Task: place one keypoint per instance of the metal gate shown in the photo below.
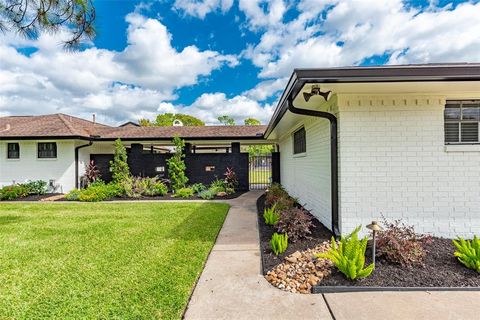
(260, 172)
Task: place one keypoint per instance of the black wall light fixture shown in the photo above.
(315, 91)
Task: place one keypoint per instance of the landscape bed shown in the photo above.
(441, 269)
(103, 260)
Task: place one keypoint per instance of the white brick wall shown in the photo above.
(29, 167)
(393, 161)
(307, 177)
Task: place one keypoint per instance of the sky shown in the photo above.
(210, 58)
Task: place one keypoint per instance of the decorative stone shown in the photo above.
(301, 270)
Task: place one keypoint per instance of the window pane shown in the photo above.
(299, 141)
(452, 112)
(47, 150)
(469, 132)
(13, 151)
(471, 113)
(451, 132)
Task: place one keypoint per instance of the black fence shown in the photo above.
(260, 172)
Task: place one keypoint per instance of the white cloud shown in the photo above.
(337, 33)
(209, 106)
(200, 8)
(266, 89)
(115, 84)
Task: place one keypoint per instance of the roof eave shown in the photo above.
(407, 73)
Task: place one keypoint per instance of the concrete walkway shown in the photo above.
(232, 287)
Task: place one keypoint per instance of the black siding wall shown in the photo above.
(145, 164)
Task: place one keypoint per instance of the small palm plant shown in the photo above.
(271, 216)
(349, 256)
(468, 252)
(279, 243)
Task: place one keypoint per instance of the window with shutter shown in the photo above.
(461, 120)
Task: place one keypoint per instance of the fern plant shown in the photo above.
(279, 243)
(468, 252)
(271, 216)
(349, 256)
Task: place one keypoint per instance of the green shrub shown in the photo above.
(36, 187)
(198, 187)
(176, 165)
(218, 186)
(279, 243)
(274, 193)
(349, 256)
(119, 165)
(153, 187)
(207, 194)
(13, 192)
(229, 190)
(271, 216)
(73, 195)
(183, 193)
(160, 188)
(468, 252)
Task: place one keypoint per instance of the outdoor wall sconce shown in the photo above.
(374, 226)
(210, 168)
(315, 91)
(159, 169)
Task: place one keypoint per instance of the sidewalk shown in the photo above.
(232, 287)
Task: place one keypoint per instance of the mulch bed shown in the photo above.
(168, 196)
(36, 197)
(269, 259)
(441, 268)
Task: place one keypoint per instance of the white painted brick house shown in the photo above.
(402, 152)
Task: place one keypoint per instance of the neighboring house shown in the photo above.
(402, 141)
(56, 148)
(355, 143)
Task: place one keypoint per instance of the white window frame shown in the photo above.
(461, 121)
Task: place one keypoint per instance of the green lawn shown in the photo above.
(103, 260)
(259, 176)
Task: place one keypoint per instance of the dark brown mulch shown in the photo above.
(269, 259)
(36, 197)
(168, 196)
(441, 268)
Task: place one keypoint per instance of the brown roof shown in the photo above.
(65, 126)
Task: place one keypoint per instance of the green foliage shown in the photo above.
(260, 150)
(279, 243)
(30, 18)
(36, 187)
(218, 186)
(349, 256)
(166, 120)
(271, 216)
(176, 166)
(207, 194)
(13, 192)
(73, 195)
(153, 187)
(198, 187)
(468, 252)
(252, 122)
(119, 166)
(99, 191)
(21, 190)
(183, 193)
(226, 120)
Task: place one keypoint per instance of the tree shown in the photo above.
(30, 17)
(226, 120)
(176, 166)
(166, 120)
(252, 122)
(119, 166)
